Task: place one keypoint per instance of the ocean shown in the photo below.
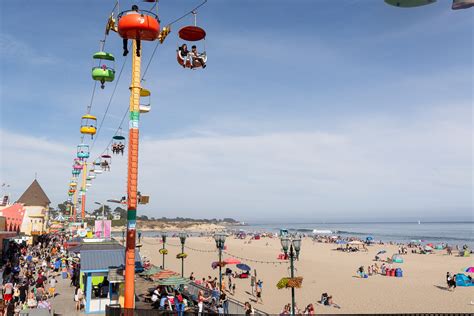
(452, 233)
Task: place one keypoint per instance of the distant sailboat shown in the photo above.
(419, 222)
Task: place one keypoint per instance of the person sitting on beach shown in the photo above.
(309, 310)
(286, 310)
(324, 298)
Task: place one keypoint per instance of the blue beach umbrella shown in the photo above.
(369, 238)
(243, 267)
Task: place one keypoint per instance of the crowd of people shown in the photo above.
(30, 274)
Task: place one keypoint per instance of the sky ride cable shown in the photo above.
(109, 103)
(188, 13)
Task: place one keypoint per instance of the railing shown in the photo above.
(235, 307)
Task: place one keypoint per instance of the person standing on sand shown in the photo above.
(259, 292)
(448, 280)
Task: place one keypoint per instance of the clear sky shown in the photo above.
(308, 110)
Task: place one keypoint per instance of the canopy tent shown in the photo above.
(463, 280)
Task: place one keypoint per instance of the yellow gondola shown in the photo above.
(145, 107)
(89, 125)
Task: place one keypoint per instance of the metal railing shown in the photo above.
(235, 307)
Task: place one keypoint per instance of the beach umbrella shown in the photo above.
(174, 281)
(468, 270)
(243, 267)
(151, 271)
(231, 261)
(369, 238)
(163, 274)
(381, 252)
(428, 248)
(430, 245)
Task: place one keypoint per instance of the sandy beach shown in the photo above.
(421, 289)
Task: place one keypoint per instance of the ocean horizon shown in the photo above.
(452, 233)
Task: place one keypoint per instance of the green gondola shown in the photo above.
(103, 73)
(409, 3)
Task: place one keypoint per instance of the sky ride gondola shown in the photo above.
(77, 165)
(118, 143)
(462, 4)
(409, 3)
(89, 125)
(104, 73)
(106, 161)
(192, 33)
(138, 25)
(145, 107)
(82, 151)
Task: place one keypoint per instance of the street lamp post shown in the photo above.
(294, 245)
(220, 240)
(163, 238)
(182, 238)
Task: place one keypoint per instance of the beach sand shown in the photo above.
(421, 289)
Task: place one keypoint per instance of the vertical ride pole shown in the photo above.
(72, 215)
(132, 179)
(83, 191)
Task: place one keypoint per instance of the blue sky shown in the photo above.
(314, 110)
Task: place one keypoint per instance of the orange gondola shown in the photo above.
(191, 33)
(139, 25)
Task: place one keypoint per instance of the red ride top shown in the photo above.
(140, 26)
(191, 33)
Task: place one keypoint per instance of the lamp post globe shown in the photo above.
(182, 238)
(285, 243)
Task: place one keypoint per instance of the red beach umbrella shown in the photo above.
(231, 261)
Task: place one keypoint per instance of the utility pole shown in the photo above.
(132, 179)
